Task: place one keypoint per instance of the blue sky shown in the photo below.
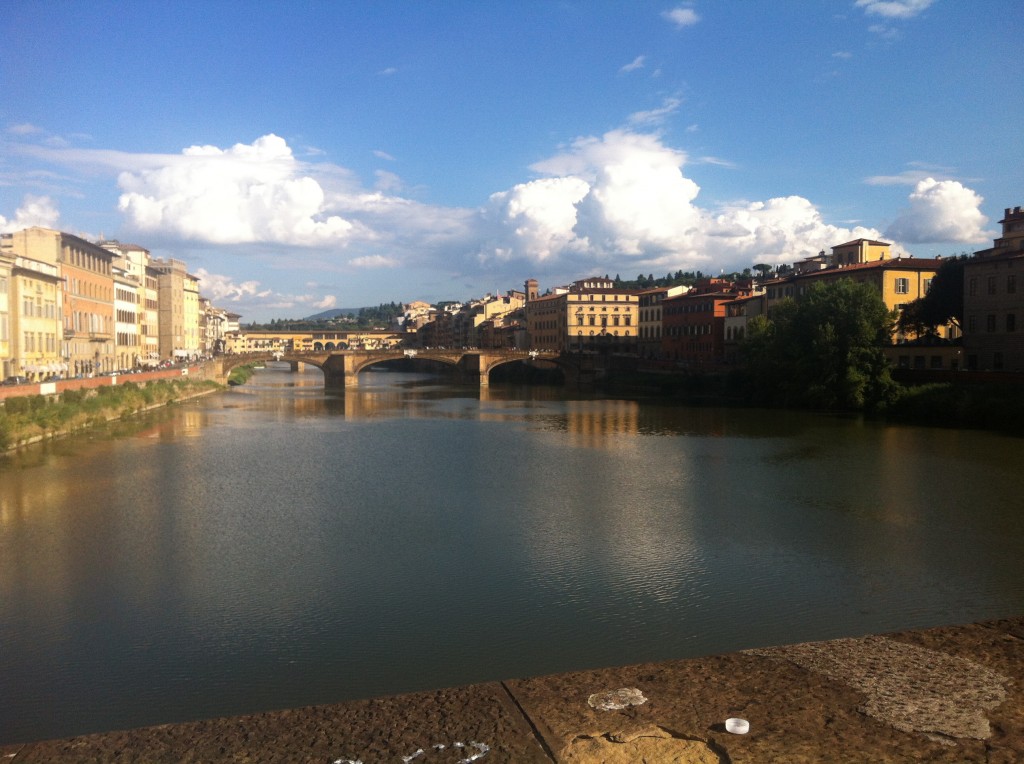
(307, 155)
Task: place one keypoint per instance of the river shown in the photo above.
(275, 546)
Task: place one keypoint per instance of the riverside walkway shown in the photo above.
(948, 694)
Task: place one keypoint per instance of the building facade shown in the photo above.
(994, 300)
(590, 315)
(693, 324)
(85, 294)
(649, 312)
(6, 264)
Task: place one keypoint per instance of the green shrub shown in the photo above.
(17, 404)
(73, 396)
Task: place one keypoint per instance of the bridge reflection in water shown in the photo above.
(341, 367)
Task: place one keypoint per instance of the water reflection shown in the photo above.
(280, 545)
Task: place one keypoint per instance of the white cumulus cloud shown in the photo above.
(247, 193)
(941, 211)
(222, 288)
(533, 221)
(624, 199)
(34, 210)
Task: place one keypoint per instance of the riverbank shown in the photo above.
(28, 419)
(947, 694)
(974, 401)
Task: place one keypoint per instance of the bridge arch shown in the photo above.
(341, 368)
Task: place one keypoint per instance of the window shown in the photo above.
(1011, 322)
(990, 323)
(927, 285)
(991, 284)
(1011, 284)
(972, 286)
(902, 286)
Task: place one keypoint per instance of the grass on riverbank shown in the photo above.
(240, 374)
(24, 418)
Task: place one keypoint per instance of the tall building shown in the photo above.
(131, 263)
(650, 318)
(178, 309)
(994, 300)
(31, 323)
(86, 293)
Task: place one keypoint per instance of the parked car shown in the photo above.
(15, 380)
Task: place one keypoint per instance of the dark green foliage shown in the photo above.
(989, 407)
(823, 351)
(17, 404)
(367, 318)
(943, 304)
(73, 396)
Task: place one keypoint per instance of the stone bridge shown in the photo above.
(341, 367)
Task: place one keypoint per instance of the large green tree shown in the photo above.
(942, 304)
(823, 350)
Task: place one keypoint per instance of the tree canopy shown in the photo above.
(824, 350)
(942, 304)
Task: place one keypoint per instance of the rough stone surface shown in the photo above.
(370, 731)
(952, 694)
(652, 744)
(912, 688)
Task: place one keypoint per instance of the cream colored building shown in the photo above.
(587, 316)
(33, 317)
(133, 261)
(649, 312)
(178, 309)
(85, 294)
(127, 341)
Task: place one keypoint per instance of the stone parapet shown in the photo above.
(948, 694)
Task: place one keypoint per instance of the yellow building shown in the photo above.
(587, 316)
(35, 325)
(898, 280)
(85, 296)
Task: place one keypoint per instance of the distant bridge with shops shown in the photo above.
(341, 368)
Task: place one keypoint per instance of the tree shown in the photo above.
(763, 270)
(823, 351)
(942, 304)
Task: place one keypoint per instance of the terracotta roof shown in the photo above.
(898, 264)
(858, 241)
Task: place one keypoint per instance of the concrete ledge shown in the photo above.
(949, 694)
